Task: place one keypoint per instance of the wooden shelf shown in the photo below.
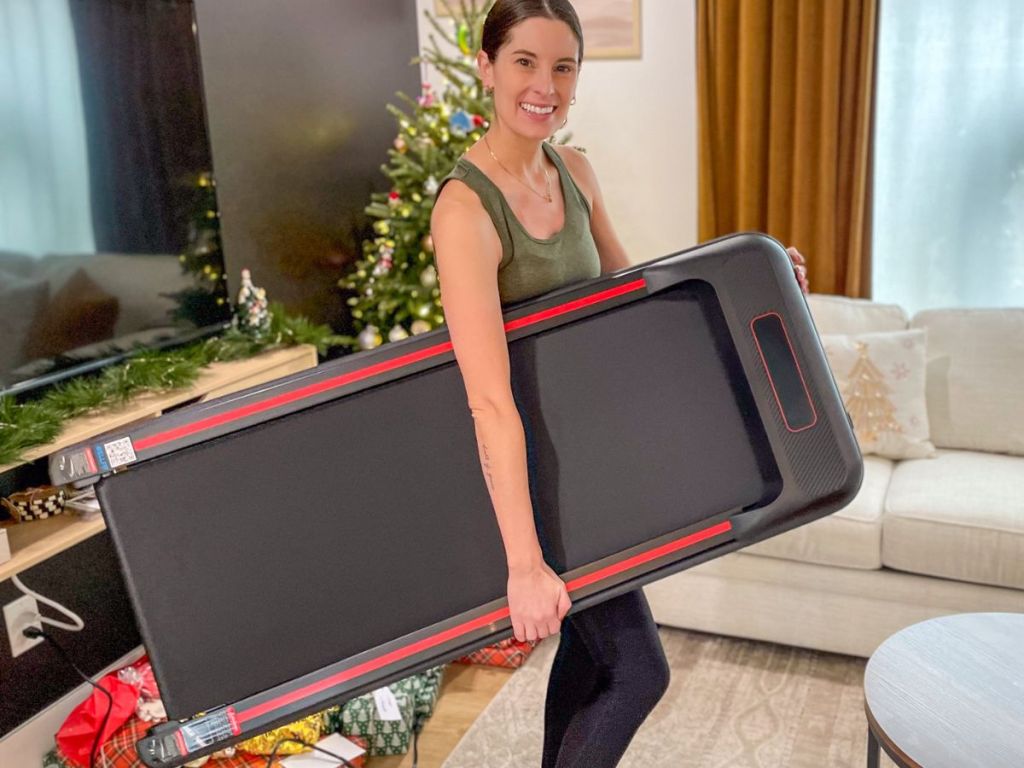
(33, 542)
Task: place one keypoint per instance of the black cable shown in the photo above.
(285, 739)
(34, 632)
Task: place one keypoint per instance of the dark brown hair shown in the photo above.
(505, 14)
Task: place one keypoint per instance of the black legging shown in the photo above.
(610, 669)
(608, 673)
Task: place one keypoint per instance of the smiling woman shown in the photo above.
(518, 217)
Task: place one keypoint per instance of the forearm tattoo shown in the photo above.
(487, 466)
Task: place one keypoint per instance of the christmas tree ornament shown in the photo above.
(397, 333)
(428, 277)
(369, 337)
(426, 98)
(428, 243)
(394, 198)
(430, 186)
(400, 144)
(252, 312)
(462, 37)
(419, 326)
(460, 123)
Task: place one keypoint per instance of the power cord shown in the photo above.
(34, 632)
(286, 739)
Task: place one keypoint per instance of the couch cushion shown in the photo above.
(959, 516)
(841, 314)
(975, 378)
(850, 538)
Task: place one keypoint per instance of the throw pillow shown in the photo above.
(881, 377)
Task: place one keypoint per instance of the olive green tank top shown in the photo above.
(529, 265)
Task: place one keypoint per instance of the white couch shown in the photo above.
(923, 538)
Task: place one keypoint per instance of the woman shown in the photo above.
(518, 217)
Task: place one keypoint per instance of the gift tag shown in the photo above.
(387, 704)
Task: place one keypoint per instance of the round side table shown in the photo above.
(949, 693)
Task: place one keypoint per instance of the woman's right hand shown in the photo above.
(537, 601)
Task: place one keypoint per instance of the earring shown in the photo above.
(572, 101)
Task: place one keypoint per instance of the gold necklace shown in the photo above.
(547, 178)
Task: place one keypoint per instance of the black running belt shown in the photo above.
(301, 542)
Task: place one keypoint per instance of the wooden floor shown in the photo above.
(465, 691)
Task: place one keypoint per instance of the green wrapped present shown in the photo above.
(415, 698)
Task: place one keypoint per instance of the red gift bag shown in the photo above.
(76, 736)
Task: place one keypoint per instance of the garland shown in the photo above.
(37, 422)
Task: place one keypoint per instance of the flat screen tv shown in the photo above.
(109, 232)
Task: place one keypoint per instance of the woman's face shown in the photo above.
(534, 76)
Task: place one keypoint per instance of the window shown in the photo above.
(948, 218)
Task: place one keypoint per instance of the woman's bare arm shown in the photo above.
(467, 252)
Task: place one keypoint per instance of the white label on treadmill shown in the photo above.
(120, 452)
(387, 704)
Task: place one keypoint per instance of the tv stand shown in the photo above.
(31, 543)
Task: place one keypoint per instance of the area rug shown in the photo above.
(730, 704)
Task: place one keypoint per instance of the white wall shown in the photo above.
(637, 119)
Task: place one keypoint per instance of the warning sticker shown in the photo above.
(119, 452)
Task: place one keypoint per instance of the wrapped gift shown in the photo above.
(119, 752)
(307, 730)
(414, 698)
(509, 654)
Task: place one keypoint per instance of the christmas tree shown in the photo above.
(866, 398)
(395, 281)
(205, 302)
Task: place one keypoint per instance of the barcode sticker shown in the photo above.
(387, 704)
(119, 452)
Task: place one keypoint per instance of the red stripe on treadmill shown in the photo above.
(569, 306)
(651, 554)
(482, 621)
(372, 664)
(289, 397)
(227, 417)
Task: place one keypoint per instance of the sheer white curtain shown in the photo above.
(948, 219)
(44, 172)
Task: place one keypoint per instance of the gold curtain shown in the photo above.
(785, 94)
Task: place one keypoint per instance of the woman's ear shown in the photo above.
(485, 68)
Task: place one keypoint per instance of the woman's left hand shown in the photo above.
(799, 267)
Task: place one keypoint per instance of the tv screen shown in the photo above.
(109, 232)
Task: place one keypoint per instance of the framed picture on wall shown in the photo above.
(611, 28)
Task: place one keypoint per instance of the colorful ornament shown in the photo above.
(394, 198)
(427, 98)
(400, 145)
(428, 243)
(462, 37)
(369, 337)
(428, 277)
(397, 333)
(460, 123)
(419, 326)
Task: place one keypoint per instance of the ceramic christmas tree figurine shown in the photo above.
(252, 313)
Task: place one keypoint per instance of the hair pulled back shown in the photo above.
(505, 14)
